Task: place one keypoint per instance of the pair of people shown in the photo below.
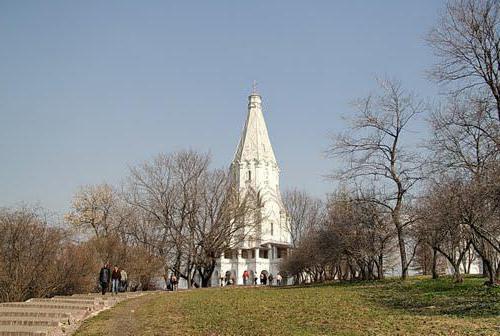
(117, 278)
(268, 279)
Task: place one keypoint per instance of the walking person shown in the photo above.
(262, 279)
(169, 285)
(245, 278)
(104, 277)
(123, 281)
(279, 278)
(255, 279)
(115, 278)
(270, 278)
(233, 280)
(173, 281)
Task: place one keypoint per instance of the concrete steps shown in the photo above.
(56, 316)
(69, 301)
(33, 312)
(24, 330)
(30, 321)
(48, 305)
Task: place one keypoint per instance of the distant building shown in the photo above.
(256, 171)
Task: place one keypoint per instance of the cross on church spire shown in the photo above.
(254, 88)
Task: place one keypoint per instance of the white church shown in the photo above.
(256, 170)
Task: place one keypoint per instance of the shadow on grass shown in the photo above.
(425, 296)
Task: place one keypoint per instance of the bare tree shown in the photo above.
(92, 208)
(163, 192)
(443, 227)
(480, 211)
(187, 213)
(464, 138)
(29, 250)
(375, 152)
(365, 229)
(465, 143)
(98, 210)
(467, 42)
(304, 213)
(224, 221)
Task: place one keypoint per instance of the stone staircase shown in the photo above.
(56, 316)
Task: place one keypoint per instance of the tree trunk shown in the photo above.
(205, 282)
(206, 273)
(497, 97)
(371, 275)
(485, 271)
(380, 266)
(435, 274)
(339, 272)
(402, 251)
(457, 277)
(492, 276)
(469, 260)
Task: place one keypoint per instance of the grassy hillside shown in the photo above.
(416, 307)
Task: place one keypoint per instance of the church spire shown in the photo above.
(254, 143)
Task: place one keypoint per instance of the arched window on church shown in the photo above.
(249, 176)
(272, 228)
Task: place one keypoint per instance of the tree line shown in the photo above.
(434, 207)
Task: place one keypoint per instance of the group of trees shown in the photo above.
(199, 212)
(426, 205)
(347, 238)
(39, 259)
(175, 209)
(180, 213)
(171, 215)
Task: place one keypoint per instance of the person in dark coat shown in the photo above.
(104, 278)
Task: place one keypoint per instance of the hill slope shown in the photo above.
(416, 307)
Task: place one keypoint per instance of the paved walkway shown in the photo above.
(57, 316)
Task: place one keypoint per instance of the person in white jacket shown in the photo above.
(123, 280)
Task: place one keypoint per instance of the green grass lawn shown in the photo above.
(416, 307)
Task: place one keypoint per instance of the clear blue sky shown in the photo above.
(90, 87)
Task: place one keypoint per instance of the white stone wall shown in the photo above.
(240, 265)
